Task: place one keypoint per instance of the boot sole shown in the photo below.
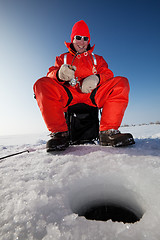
(119, 144)
(57, 148)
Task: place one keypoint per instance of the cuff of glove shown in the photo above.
(57, 75)
(99, 78)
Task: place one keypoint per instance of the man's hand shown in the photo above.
(89, 83)
(66, 72)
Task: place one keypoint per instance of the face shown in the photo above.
(80, 45)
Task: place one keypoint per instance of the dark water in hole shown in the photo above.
(106, 212)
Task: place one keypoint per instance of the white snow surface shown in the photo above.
(41, 193)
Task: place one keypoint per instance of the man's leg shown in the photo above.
(51, 98)
(112, 97)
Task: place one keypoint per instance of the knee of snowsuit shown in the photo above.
(53, 100)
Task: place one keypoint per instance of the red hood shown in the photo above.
(72, 52)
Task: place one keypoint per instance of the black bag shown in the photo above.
(83, 123)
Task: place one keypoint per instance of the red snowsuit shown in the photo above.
(54, 96)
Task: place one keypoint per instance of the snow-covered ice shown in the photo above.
(41, 193)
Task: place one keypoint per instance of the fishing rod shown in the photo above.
(13, 154)
(17, 153)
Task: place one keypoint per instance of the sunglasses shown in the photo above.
(77, 37)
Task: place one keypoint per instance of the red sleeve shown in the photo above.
(102, 69)
(52, 72)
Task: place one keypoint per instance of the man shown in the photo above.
(79, 76)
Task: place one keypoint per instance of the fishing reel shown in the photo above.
(73, 82)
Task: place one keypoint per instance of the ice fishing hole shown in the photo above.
(106, 199)
(110, 211)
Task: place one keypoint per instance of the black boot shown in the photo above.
(59, 141)
(115, 138)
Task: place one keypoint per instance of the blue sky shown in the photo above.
(126, 33)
